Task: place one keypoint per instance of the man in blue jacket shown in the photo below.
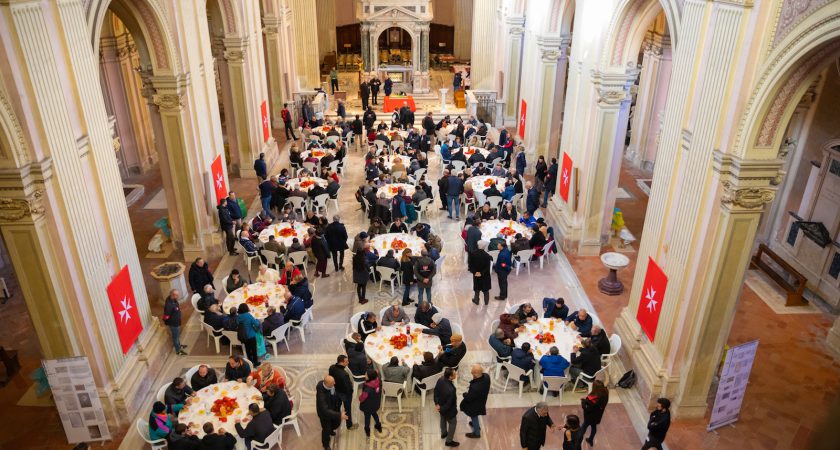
(502, 267)
(260, 167)
(295, 308)
(454, 188)
(523, 358)
(172, 319)
(553, 365)
(233, 207)
(532, 201)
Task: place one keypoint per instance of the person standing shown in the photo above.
(172, 319)
(340, 109)
(260, 167)
(226, 224)
(502, 267)
(533, 425)
(429, 127)
(344, 387)
(247, 327)
(333, 80)
(474, 402)
(445, 404)
(321, 252)
(454, 189)
(550, 182)
(358, 132)
(336, 235)
(478, 263)
(200, 275)
(361, 272)
(572, 433)
(364, 93)
(660, 421)
(371, 399)
(287, 122)
(424, 273)
(374, 89)
(593, 406)
(532, 199)
(389, 85)
(328, 406)
(266, 188)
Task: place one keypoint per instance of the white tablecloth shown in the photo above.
(564, 337)
(468, 151)
(316, 153)
(384, 242)
(490, 228)
(275, 293)
(390, 190)
(389, 161)
(282, 232)
(479, 184)
(378, 345)
(305, 183)
(197, 413)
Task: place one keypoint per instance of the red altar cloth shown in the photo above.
(391, 103)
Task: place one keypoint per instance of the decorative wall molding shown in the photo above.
(747, 198)
(9, 121)
(614, 88)
(169, 102)
(747, 184)
(14, 209)
(792, 13)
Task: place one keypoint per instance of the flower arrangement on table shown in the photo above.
(399, 341)
(507, 231)
(399, 245)
(393, 190)
(256, 300)
(224, 407)
(319, 153)
(545, 338)
(326, 128)
(306, 183)
(287, 232)
(489, 182)
(469, 151)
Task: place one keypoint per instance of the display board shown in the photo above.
(76, 399)
(733, 384)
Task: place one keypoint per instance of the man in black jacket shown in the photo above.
(344, 387)
(182, 438)
(446, 403)
(443, 186)
(220, 440)
(328, 406)
(369, 118)
(374, 89)
(172, 319)
(660, 421)
(259, 426)
(358, 132)
(600, 340)
(277, 403)
(336, 235)
(532, 427)
(475, 399)
(202, 378)
(587, 361)
(200, 275)
(226, 225)
(452, 354)
(364, 93)
(236, 369)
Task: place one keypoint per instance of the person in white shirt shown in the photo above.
(267, 276)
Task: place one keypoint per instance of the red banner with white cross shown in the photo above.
(653, 294)
(124, 306)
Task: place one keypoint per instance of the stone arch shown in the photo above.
(143, 18)
(381, 27)
(14, 151)
(228, 15)
(790, 68)
(628, 26)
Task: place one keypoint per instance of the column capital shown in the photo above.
(365, 27)
(747, 185)
(614, 88)
(22, 190)
(516, 25)
(271, 25)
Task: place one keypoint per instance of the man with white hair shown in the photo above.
(533, 425)
(266, 275)
(208, 298)
(441, 328)
(475, 399)
(395, 314)
(600, 340)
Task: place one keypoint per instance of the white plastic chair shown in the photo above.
(248, 257)
(300, 259)
(161, 393)
(518, 201)
(523, 258)
(380, 145)
(499, 360)
(335, 200)
(297, 204)
(234, 341)
(387, 275)
(273, 439)
(224, 284)
(459, 165)
(334, 139)
(310, 166)
(211, 332)
(456, 328)
(143, 431)
(280, 334)
(292, 419)
(194, 301)
(192, 370)
(493, 254)
(429, 382)
(396, 390)
(615, 346)
(495, 201)
(587, 380)
(557, 384)
(334, 166)
(548, 250)
(305, 319)
(515, 373)
(423, 207)
(320, 202)
(271, 259)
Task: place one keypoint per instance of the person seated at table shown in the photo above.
(332, 187)
(300, 288)
(520, 243)
(234, 281)
(295, 247)
(264, 275)
(202, 378)
(584, 359)
(553, 365)
(395, 372)
(160, 425)
(555, 308)
(398, 226)
(398, 166)
(508, 212)
(538, 241)
(273, 320)
(487, 213)
(215, 319)
(527, 220)
(207, 299)
(498, 169)
(388, 261)
(259, 428)
(509, 323)
(231, 322)
(314, 220)
(316, 190)
(492, 191)
(475, 158)
(394, 315)
(290, 271)
(246, 242)
(266, 375)
(441, 328)
(526, 313)
(376, 227)
(182, 438)
(494, 242)
(294, 309)
(502, 345)
(356, 355)
(176, 395)
(297, 191)
(236, 369)
(600, 340)
(428, 367)
(325, 163)
(452, 354)
(277, 403)
(382, 136)
(273, 245)
(367, 325)
(523, 358)
(294, 155)
(288, 214)
(218, 440)
(581, 321)
(422, 230)
(425, 312)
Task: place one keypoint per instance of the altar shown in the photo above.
(402, 76)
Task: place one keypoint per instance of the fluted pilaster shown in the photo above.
(304, 19)
(325, 12)
(650, 101)
(463, 29)
(483, 45)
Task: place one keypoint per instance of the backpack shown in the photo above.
(627, 380)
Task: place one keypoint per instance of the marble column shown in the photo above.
(463, 29)
(516, 29)
(325, 11)
(366, 50)
(113, 52)
(274, 64)
(482, 70)
(650, 101)
(304, 18)
(553, 50)
(246, 125)
(421, 74)
(599, 184)
(139, 110)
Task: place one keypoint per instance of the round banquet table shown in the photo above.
(490, 228)
(316, 153)
(274, 292)
(468, 151)
(305, 183)
(479, 184)
(378, 345)
(389, 161)
(390, 190)
(284, 232)
(197, 412)
(564, 337)
(323, 129)
(384, 242)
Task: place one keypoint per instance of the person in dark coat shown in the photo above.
(260, 167)
(220, 440)
(226, 225)
(370, 400)
(600, 340)
(202, 378)
(446, 403)
(427, 368)
(259, 428)
(364, 93)
(533, 425)
(182, 438)
(585, 359)
(479, 263)
(358, 360)
(172, 319)
(328, 406)
(532, 199)
(321, 252)
(336, 235)
(369, 117)
(361, 273)
(593, 406)
(425, 312)
(344, 386)
(200, 275)
(475, 399)
(555, 308)
(550, 182)
(374, 89)
(389, 86)
(443, 186)
(503, 266)
(660, 421)
(441, 328)
(236, 369)
(277, 403)
(473, 235)
(452, 354)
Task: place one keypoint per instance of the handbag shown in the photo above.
(260, 345)
(627, 380)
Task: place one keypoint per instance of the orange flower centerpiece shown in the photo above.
(399, 341)
(326, 128)
(489, 182)
(224, 407)
(256, 300)
(469, 151)
(507, 231)
(319, 153)
(286, 232)
(393, 190)
(546, 338)
(306, 183)
(399, 245)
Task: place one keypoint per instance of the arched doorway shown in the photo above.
(395, 46)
